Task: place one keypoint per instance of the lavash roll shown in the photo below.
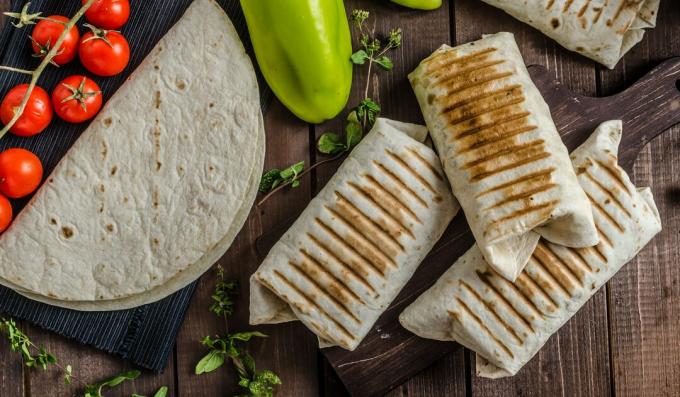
(603, 30)
(500, 149)
(507, 323)
(359, 241)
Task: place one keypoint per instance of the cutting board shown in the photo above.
(389, 355)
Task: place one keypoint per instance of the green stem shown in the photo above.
(16, 70)
(35, 75)
(300, 175)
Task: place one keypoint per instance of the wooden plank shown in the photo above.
(644, 308)
(90, 366)
(423, 32)
(290, 351)
(575, 361)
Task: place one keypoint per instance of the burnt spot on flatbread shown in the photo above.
(67, 232)
(157, 100)
(555, 23)
(107, 122)
(114, 169)
(181, 85)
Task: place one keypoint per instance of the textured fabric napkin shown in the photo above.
(145, 335)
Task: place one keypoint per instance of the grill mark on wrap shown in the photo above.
(527, 210)
(495, 139)
(309, 301)
(349, 246)
(383, 260)
(325, 290)
(489, 307)
(610, 194)
(407, 167)
(521, 196)
(476, 177)
(613, 172)
(363, 279)
(598, 12)
(494, 125)
(453, 73)
(475, 318)
(546, 279)
(549, 4)
(515, 89)
(340, 282)
(544, 177)
(583, 9)
(603, 236)
(486, 277)
(373, 196)
(530, 288)
(472, 115)
(435, 63)
(567, 5)
(515, 150)
(606, 215)
(394, 178)
(344, 205)
(568, 273)
(425, 162)
(581, 259)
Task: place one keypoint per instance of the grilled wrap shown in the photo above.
(507, 323)
(359, 241)
(501, 151)
(602, 30)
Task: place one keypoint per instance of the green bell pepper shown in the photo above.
(303, 48)
(420, 4)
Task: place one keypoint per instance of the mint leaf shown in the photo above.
(329, 143)
(353, 130)
(385, 62)
(210, 362)
(359, 57)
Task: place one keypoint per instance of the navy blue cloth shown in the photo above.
(145, 335)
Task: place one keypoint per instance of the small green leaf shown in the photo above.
(295, 183)
(292, 171)
(269, 179)
(385, 62)
(353, 130)
(210, 362)
(96, 389)
(359, 57)
(162, 392)
(246, 336)
(329, 143)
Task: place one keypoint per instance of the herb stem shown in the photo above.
(303, 173)
(16, 70)
(35, 75)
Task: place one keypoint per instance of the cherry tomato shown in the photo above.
(5, 213)
(46, 33)
(20, 172)
(36, 116)
(104, 52)
(108, 14)
(76, 99)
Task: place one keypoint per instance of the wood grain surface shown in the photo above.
(624, 342)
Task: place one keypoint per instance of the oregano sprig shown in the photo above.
(220, 349)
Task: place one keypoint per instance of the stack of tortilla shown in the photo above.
(156, 189)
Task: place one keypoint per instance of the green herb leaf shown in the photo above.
(385, 62)
(329, 143)
(223, 298)
(210, 362)
(395, 38)
(268, 180)
(353, 130)
(368, 110)
(359, 57)
(246, 336)
(162, 392)
(96, 389)
(292, 171)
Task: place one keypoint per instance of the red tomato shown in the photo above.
(20, 172)
(46, 33)
(104, 52)
(5, 213)
(108, 14)
(76, 99)
(36, 116)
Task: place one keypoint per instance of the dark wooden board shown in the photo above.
(390, 355)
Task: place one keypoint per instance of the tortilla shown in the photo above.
(154, 191)
(501, 151)
(359, 241)
(602, 30)
(506, 323)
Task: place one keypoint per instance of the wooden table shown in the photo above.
(624, 342)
